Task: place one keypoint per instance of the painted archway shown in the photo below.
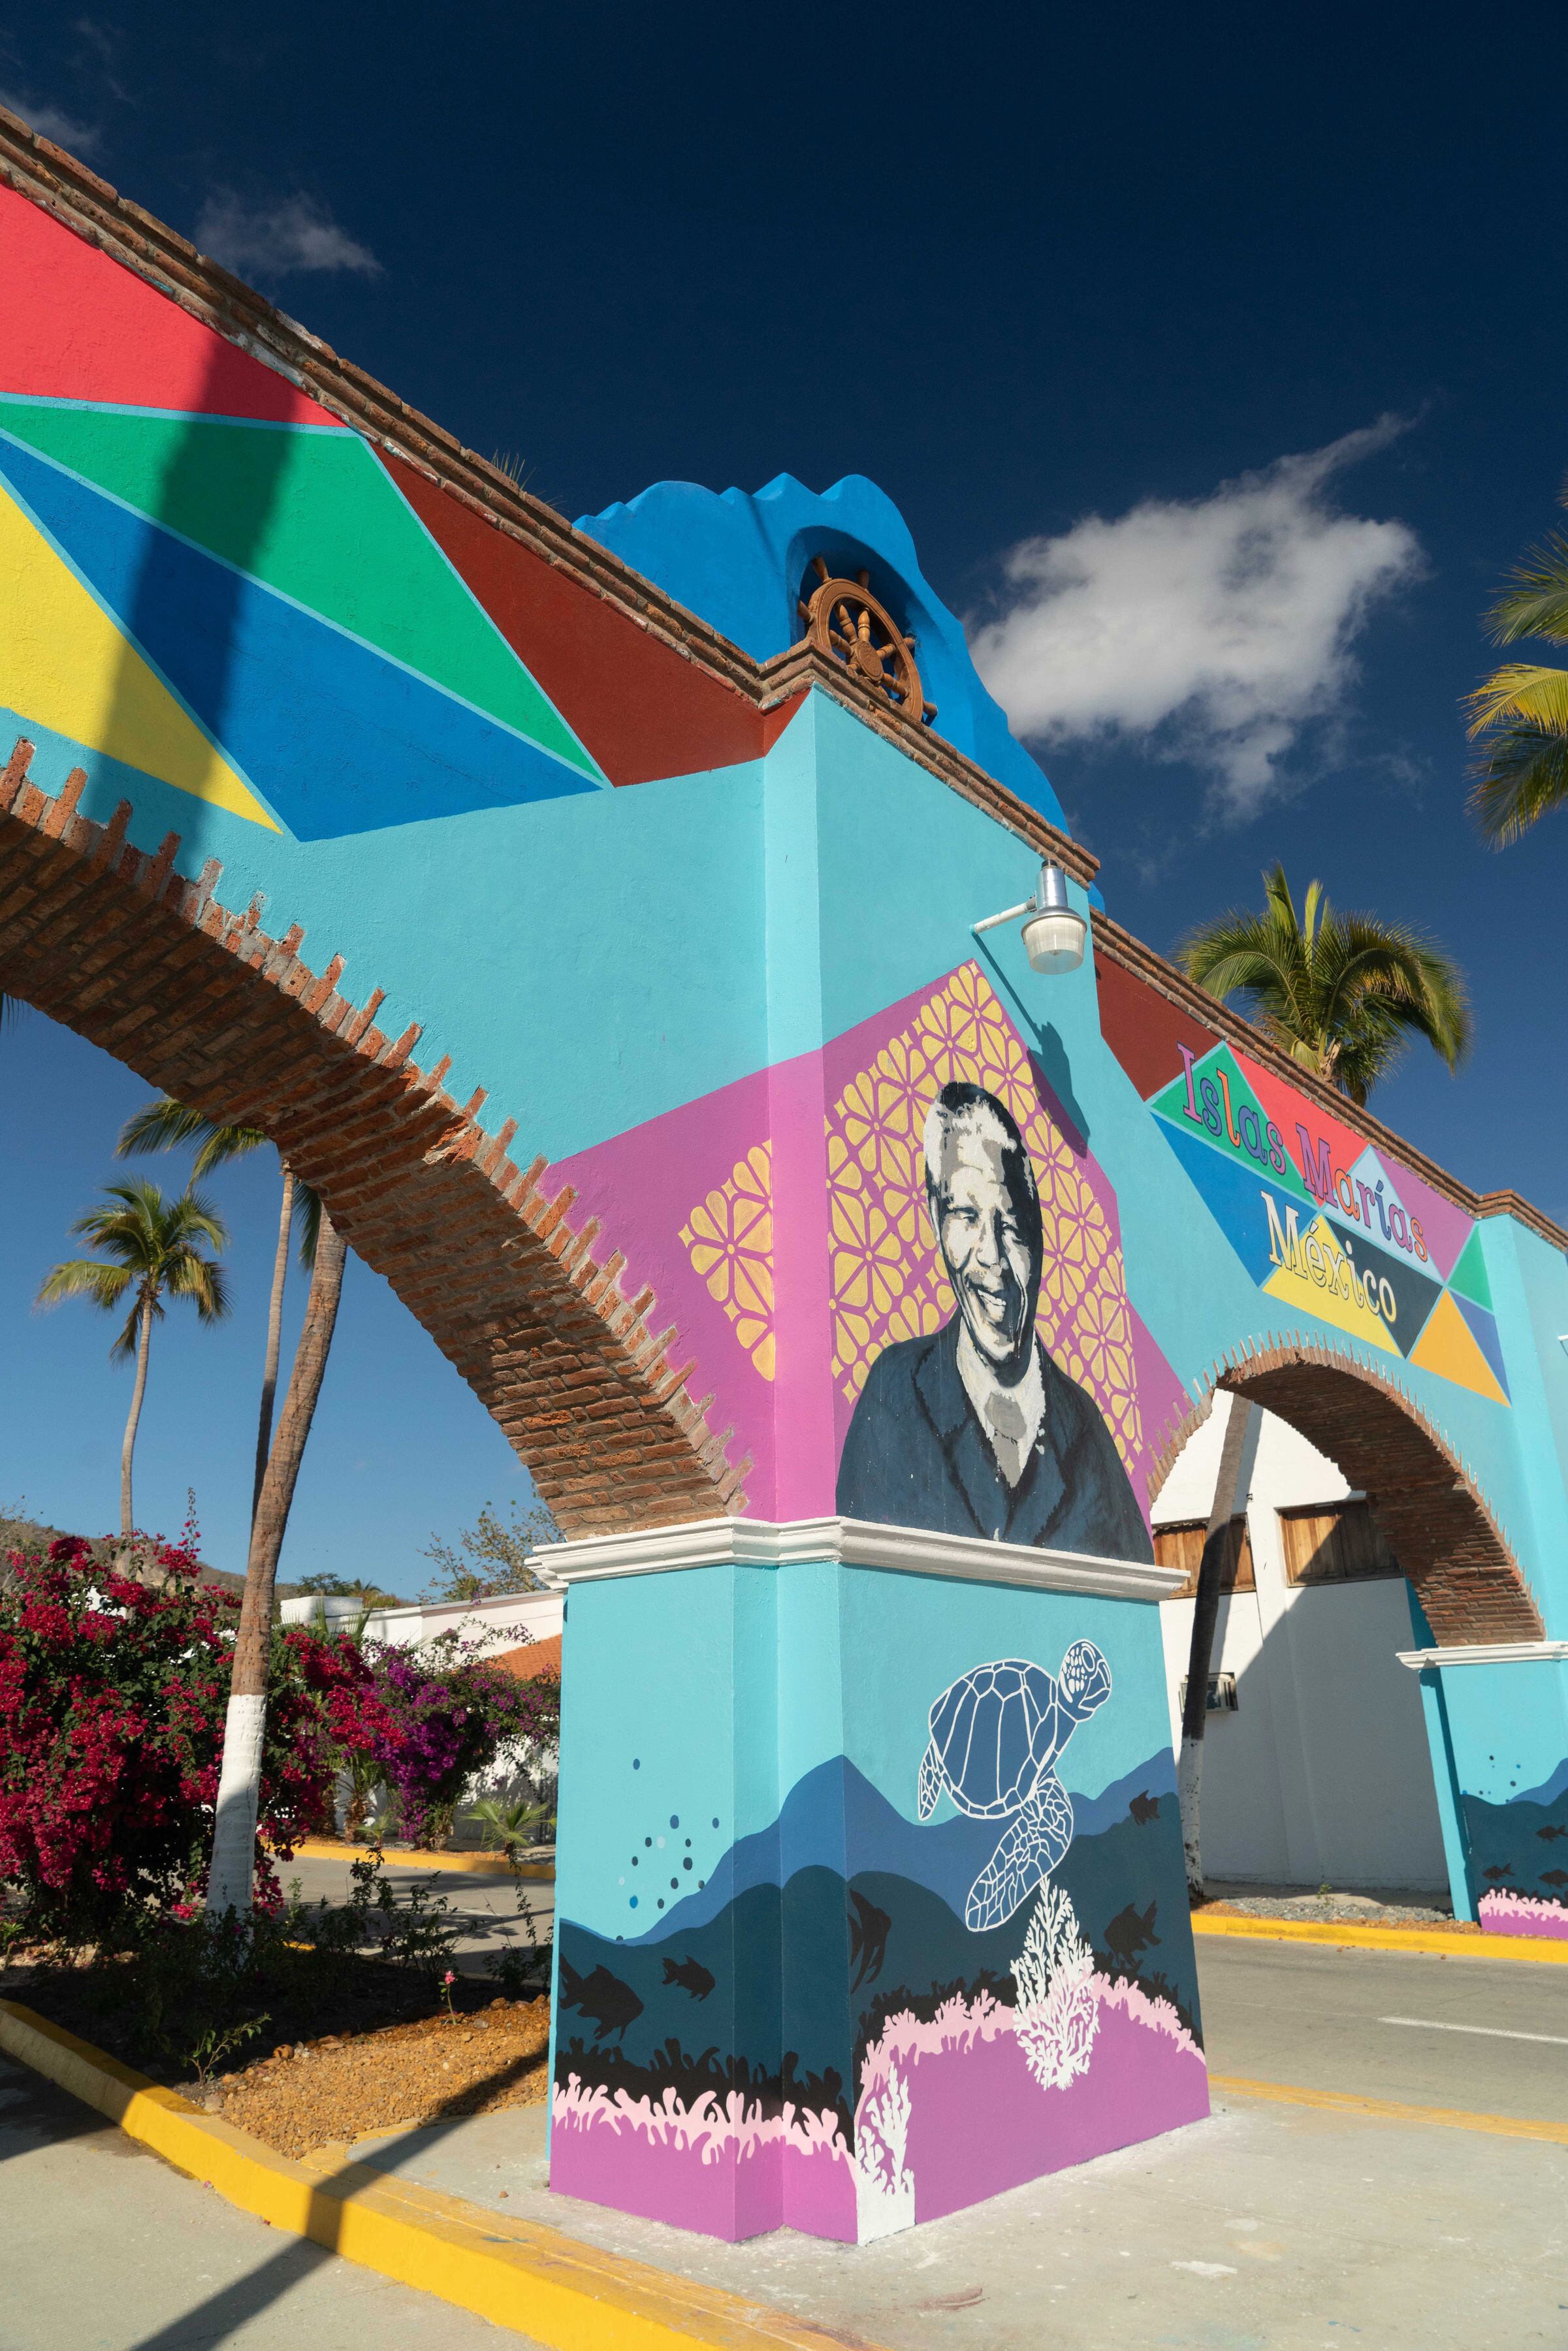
(605, 953)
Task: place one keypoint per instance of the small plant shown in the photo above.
(207, 2051)
(447, 1980)
(502, 1823)
(521, 1975)
(12, 1932)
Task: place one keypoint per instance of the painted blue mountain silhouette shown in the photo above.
(835, 1818)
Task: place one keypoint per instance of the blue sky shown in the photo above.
(1075, 287)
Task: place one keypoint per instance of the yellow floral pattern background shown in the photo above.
(887, 1278)
(729, 1237)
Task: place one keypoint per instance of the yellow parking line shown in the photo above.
(1444, 1944)
(1385, 2110)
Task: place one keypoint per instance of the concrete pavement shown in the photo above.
(104, 2248)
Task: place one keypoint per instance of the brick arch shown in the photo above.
(146, 963)
(1437, 1520)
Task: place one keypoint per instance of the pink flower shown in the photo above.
(451, 1975)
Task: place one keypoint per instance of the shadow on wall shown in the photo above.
(1323, 1774)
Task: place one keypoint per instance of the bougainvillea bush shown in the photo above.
(112, 1697)
(449, 1713)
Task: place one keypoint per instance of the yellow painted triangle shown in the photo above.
(1447, 1347)
(1315, 1275)
(64, 664)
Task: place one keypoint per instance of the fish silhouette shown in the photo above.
(1130, 1932)
(691, 1975)
(1499, 1869)
(1546, 1835)
(1554, 1877)
(610, 2003)
(869, 1930)
(1144, 1807)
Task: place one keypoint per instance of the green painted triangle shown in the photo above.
(312, 515)
(1229, 1117)
(1470, 1275)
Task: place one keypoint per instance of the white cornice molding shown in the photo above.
(854, 1543)
(1498, 1653)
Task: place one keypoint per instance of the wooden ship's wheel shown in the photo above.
(844, 620)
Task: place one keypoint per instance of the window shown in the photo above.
(1341, 1545)
(1182, 1546)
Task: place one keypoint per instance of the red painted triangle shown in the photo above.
(81, 327)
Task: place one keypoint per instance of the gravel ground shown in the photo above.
(1331, 1909)
(338, 2089)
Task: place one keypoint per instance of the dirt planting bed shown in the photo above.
(441, 2067)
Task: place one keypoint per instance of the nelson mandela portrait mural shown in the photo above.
(975, 1430)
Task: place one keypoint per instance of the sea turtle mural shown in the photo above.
(995, 1734)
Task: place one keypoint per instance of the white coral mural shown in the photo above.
(1057, 2015)
(885, 2185)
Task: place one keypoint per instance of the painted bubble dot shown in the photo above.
(687, 1862)
(660, 1901)
(716, 1820)
(700, 1882)
(673, 1883)
(636, 1763)
(688, 1842)
(633, 1902)
(674, 1820)
(634, 1860)
(647, 1840)
(620, 1880)
(661, 1844)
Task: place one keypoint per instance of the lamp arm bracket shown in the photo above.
(1009, 914)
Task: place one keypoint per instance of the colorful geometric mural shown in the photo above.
(1324, 1223)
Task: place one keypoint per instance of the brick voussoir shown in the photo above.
(208, 1005)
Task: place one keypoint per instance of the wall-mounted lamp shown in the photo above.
(1054, 934)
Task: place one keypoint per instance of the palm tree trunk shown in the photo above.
(274, 1339)
(127, 1448)
(1232, 1484)
(233, 1872)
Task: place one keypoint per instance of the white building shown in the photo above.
(1322, 1774)
(503, 1622)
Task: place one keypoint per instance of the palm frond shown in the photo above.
(84, 1277)
(166, 1125)
(1535, 601)
(1528, 691)
(1520, 777)
(306, 1222)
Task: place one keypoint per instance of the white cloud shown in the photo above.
(280, 240)
(1212, 630)
(52, 123)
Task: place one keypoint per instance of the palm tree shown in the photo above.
(160, 1126)
(231, 1876)
(165, 1125)
(1342, 993)
(1520, 714)
(152, 1250)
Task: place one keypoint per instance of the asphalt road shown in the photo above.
(1318, 2018)
(489, 1909)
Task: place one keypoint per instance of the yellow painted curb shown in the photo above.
(1386, 1938)
(469, 1864)
(1384, 2110)
(516, 2273)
